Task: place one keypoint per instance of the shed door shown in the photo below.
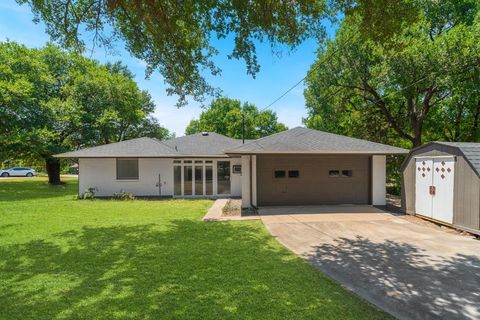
(423, 182)
(442, 208)
(434, 188)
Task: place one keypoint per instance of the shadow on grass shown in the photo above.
(405, 279)
(192, 270)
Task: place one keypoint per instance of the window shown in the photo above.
(334, 173)
(177, 180)
(293, 173)
(177, 161)
(223, 177)
(346, 173)
(340, 173)
(279, 174)
(237, 169)
(208, 161)
(198, 161)
(187, 161)
(127, 169)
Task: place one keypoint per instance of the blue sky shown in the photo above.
(277, 74)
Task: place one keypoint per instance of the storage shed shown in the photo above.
(441, 182)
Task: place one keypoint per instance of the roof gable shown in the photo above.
(304, 140)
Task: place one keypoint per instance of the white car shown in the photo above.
(17, 172)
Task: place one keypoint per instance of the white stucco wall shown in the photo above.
(246, 201)
(379, 176)
(254, 180)
(101, 173)
(236, 179)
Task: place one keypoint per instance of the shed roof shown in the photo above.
(304, 140)
(470, 150)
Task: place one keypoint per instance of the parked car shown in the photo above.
(17, 172)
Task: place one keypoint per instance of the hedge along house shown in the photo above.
(295, 167)
(441, 182)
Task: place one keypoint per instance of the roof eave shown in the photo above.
(321, 152)
(65, 156)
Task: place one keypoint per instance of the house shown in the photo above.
(299, 166)
(441, 182)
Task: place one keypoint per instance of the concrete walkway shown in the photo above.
(215, 213)
(412, 271)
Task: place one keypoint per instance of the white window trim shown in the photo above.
(214, 176)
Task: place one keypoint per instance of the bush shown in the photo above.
(123, 195)
(89, 194)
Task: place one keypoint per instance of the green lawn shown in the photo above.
(62, 258)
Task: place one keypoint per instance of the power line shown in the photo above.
(315, 67)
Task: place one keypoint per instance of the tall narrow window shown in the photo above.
(177, 180)
(198, 180)
(223, 177)
(187, 180)
(127, 169)
(208, 180)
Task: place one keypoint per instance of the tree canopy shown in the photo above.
(422, 83)
(175, 37)
(224, 116)
(53, 101)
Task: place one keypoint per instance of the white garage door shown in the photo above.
(434, 188)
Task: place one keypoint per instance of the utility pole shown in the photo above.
(243, 128)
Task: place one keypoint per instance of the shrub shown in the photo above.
(89, 194)
(123, 195)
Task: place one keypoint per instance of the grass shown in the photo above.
(62, 258)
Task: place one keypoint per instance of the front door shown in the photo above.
(434, 188)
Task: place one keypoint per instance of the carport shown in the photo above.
(309, 167)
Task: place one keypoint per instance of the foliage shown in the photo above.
(123, 195)
(52, 101)
(150, 259)
(420, 84)
(88, 194)
(224, 116)
(176, 37)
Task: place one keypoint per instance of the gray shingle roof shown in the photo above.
(146, 147)
(199, 144)
(211, 145)
(470, 150)
(303, 140)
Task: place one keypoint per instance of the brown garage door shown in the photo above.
(311, 180)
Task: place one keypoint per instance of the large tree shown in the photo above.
(224, 116)
(52, 101)
(176, 37)
(419, 84)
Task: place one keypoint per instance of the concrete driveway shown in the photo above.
(412, 271)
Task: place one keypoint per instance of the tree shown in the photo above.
(175, 37)
(53, 101)
(224, 116)
(403, 89)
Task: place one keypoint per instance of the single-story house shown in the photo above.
(441, 182)
(299, 166)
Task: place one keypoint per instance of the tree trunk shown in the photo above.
(53, 170)
(474, 133)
